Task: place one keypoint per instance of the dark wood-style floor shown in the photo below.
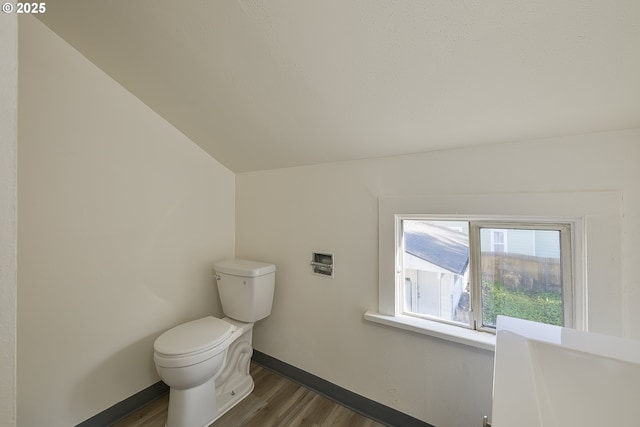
(274, 402)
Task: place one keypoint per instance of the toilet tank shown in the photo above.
(246, 288)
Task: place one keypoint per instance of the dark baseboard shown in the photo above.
(369, 408)
(127, 406)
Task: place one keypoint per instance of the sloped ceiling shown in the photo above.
(271, 84)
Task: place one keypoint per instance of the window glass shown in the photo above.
(469, 272)
(436, 269)
(524, 281)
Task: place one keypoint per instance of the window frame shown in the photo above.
(563, 226)
(597, 218)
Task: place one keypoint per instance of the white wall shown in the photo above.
(120, 220)
(317, 324)
(8, 232)
(120, 217)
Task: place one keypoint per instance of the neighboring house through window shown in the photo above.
(498, 240)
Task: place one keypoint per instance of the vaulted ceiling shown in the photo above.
(270, 84)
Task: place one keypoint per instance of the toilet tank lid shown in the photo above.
(243, 267)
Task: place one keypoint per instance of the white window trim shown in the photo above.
(587, 211)
(431, 328)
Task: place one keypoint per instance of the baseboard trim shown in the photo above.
(127, 406)
(367, 407)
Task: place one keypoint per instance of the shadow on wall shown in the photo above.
(105, 384)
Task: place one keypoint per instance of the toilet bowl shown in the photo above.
(205, 362)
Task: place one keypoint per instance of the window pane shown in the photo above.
(522, 277)
(436, 266)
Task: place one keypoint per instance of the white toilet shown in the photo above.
(205, 362)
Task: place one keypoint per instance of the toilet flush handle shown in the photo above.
(217, 276)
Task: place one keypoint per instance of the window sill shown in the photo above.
(483, 340)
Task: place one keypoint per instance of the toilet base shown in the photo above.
(235, 382)
(194, 407)
(228, 400)
(202, 405)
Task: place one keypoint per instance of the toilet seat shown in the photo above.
(192, 342)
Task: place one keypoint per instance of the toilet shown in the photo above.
(205, 362)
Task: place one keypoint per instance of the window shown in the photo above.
(593, 218)
(466, 272)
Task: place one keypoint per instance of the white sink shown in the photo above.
(549, 376)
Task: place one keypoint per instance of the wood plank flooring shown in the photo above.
(274, 402)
